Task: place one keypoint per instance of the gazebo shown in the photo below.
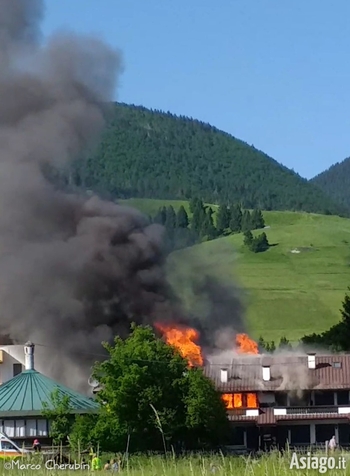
(22, 398)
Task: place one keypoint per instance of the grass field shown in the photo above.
(285, 293)
(267, 465)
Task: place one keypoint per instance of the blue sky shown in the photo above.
(273, 73)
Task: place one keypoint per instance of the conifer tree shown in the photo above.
(235, 223)
(182, 218)
(223, 218)
(170, 220)
(246, 221)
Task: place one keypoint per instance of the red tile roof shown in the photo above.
(287, 372)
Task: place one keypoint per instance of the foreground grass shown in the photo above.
(272, 464)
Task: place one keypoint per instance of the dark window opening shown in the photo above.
(343, 397)
(281, 399)
(344, 434)
(324, 433)
(237, 436)
(324, 398)
(17, 369)
(300, 400)
(300, 434)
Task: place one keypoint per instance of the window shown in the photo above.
(336, 365)
(300, 401)
(17, 369)
(324, 398)
(42, 428)
(31, 428)
(6, 445)
(343, 397)
(281, 399)
(237, 436)
(344, 434)
(9, 428)
(324, 433)
(20, 428)
(300, 434)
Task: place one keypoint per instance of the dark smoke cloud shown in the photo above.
(74, 271)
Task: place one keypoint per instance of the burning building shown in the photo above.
(279, 399)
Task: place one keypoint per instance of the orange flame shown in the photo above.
(252, 400)
(239, 400)
(185, 340)
(245, 345)
(228, 399)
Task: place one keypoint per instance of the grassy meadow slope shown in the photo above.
(286, 293)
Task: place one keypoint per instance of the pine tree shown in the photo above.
(285, 344)
(160, 216)
(170, 220)
(194, 204)
(248, 238)
(246, 221)
(235, 223)
(198, 216)
(208, 229)
(182, 218)
(223, 218)
(257, 219)
(263, 242)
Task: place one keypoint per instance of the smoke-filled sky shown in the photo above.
(74, 271)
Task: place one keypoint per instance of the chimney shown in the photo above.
(311, 360)
(224, 375)
(266, 373)
(29, 356)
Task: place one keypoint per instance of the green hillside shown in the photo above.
(335, 182)
(149, 154)
(286, 293)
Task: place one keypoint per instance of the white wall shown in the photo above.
(12, 354)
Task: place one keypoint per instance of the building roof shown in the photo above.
(288, 372)
(24, 395)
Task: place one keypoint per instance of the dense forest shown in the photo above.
(150, 154)
(335, 182)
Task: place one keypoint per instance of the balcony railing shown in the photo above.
(312, 410)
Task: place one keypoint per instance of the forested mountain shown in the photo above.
(150, 154)
(335, 182)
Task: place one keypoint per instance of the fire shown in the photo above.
(245, 345)
(239, 400)
(228, 399)
(185, 340)
(252, 400)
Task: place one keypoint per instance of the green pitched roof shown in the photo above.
(24, 394)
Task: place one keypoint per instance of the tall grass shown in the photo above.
(273, 464)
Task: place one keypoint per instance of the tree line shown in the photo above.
(183, 230)
(149, 154)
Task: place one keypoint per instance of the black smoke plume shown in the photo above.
(74, 270)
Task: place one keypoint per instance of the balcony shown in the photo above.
(314, 410)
